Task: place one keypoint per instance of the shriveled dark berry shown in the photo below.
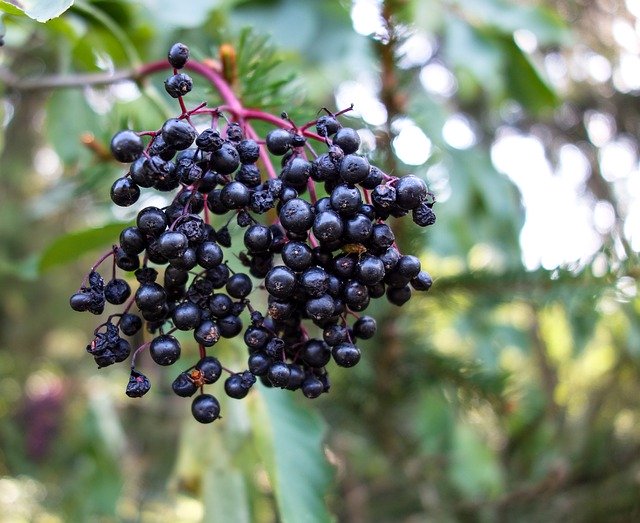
(117, 291)
(178, 85)
(138, 385)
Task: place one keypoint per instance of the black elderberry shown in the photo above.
(347, 139)
(81, 301)
(186, 316)
(249, 175)
(178, 55)
(150, 296)
(205, 408)
(370, 269)
(408, 266)
(423, 215)
(358, 228)
(138, 385)
(164, 350)
(328, 226)
(312, 387)
(278, 141)
(235, 387)
(373, 179)
(172, 244)
(225, 160)
(126, 146)
(327, 125)
(383, 196)
(259, 364)
(132, 241)
(117, 291)
(411, 191)
(209, 140)
(296, 172)
(399, 295)
(316, 354)
(321, 308)
(297, 215)
(207, 333)
(279, 374)
(314, 281)
(239, 286)
(346, 354)
(125, 261)
(280, 282)
(210, 369)
(130, 324)
(258, 238)
(365, 327)
(235, 195)
(178, 85)
(354, 168)
(248, 151)
(151, 221)
(345, 199)
(184, 386)
(422, 282)
(178, 134)
(124, 192)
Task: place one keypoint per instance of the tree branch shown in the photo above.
(62, 81)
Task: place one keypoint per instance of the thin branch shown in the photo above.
(62, 81)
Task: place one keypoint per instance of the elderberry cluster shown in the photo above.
(320, 260)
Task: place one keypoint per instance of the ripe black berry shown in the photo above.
(124, 192)
(278, 141)
(205, 408)
(347, 139)
(178, 55)
(210, 369)
(184, 386)
(126, 146)
(164, 350)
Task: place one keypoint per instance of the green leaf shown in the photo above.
(9, 8)
(289, 441)
(40, 10)
(72, 246)
(475, 468)
(508, 17)
(68, 117)
(524, 82)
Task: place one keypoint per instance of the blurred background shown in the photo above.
(509, 392)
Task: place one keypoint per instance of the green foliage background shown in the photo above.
(501, 395)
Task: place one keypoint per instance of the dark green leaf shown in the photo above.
(524, 83)
(73, 245)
